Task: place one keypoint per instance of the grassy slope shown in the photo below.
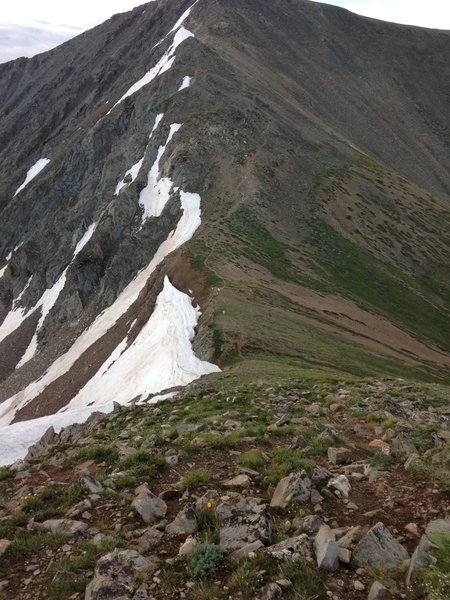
(372, 237)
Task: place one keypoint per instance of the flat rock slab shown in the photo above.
(379, 549)
(73, 529)
(438, 526)
(240, 481)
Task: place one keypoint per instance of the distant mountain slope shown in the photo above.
(284, 164)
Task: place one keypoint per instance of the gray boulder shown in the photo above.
(438, 526)
(91, 485)
(149, 540)
(185, 523)
(73, 529)
(326, 549)
(294, 488)
(150, 507)
(379, 592)
(420, 558)
(341, 485)
(379, 549)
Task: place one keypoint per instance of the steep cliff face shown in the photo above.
(284, 164)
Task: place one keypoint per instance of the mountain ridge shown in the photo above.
(290, 144)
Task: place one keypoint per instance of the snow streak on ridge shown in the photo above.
(133, 172)
(156, 194)
(166, 60)
(18, 314)
(32, 172)
(188, 223)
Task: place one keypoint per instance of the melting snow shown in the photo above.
(160, 357)
(16, 315)
(187, 225)
(134, 170)
(35, 170)
(164, 64)
(155, 195)
(186, 83)
(17, 438)
(183, 18)
(50, 296)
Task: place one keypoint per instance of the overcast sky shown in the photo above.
(28, 27)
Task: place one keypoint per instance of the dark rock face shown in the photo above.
(295, 84)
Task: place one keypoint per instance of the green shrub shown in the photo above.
(101, 452)
(381, 461)
(60, 590)
(253, 459)
(205, 560)
(285, 461)
(6, 473)
(143, 464)
(208, 524)
(51, 501)
(195, 479)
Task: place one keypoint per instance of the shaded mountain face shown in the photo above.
(281, 167)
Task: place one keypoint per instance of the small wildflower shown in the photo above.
(209, 504)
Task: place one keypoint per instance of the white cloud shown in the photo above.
(424, 13)
(28, 27)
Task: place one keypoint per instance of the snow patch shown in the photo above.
(183, 18)
(134, 170)
(35, 170)
(154, 197)
(186, 83)
(188, 223)
(163, 65)
(16, 315)
(50, 296)
(160, 357)
(17, 438)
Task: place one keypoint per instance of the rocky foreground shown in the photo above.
(304, 489)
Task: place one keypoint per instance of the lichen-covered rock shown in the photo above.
(115, 575)
(294, 548)
(244, 523)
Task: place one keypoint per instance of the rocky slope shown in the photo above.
(305, 488)
(281, 168)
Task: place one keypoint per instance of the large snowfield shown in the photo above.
(161, 356)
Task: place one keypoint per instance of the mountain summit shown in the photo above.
(192, 187)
